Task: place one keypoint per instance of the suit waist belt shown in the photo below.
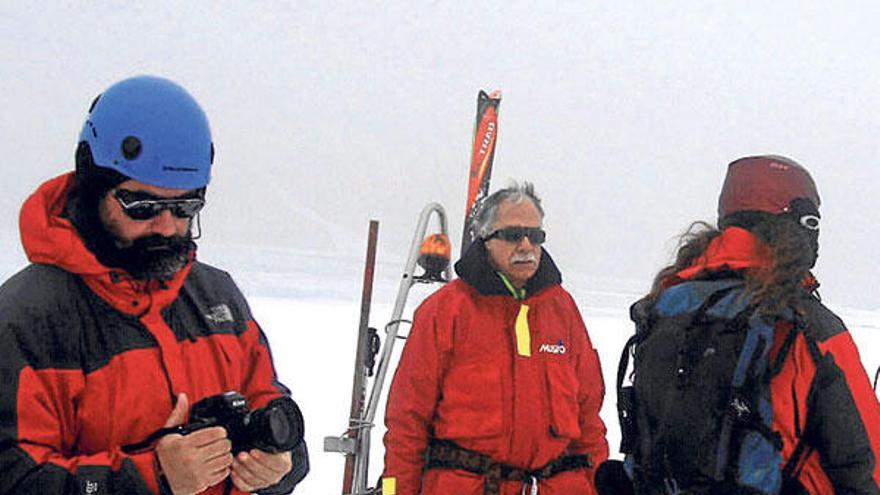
(445, 454)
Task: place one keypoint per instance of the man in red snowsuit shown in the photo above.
(498, 389)
(115, 329)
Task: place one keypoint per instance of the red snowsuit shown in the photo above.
(830, 403)
(462, 377)
(91, 360)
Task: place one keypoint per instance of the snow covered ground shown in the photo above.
(308, 306)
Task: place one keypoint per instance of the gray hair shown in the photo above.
(516, 193)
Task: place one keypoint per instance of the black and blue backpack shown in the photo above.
(695, 414)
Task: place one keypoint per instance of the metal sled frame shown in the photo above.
(356, 441)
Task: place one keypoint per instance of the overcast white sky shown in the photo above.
(624, 114)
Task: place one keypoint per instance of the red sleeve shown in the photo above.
(259, 382)
(591, 394)
(412, 400)
(866, 411)
(38, 418)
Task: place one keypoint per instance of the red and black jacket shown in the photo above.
(91, 361)
(822, 400)
(463, 377)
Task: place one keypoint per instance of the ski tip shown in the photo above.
(494, 95)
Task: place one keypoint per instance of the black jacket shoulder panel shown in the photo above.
(209, 302)
(32, 315)
(37, 287)
(56, 321)
(821, 323)
(214, 282)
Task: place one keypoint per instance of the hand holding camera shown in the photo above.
(256, 469)
(200, 454)
(193, 462)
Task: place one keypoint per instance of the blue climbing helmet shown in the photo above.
(151, 130)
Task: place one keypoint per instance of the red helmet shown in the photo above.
(765, 183)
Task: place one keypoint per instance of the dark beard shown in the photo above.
(155, 257)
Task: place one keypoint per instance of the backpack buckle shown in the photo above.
(672, 486)
(740, 409)
(531, 484)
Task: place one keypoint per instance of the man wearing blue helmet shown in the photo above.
(121, 350)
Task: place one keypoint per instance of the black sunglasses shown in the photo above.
(536, 235)
(139, 205)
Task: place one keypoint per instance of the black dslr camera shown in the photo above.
(277, 427)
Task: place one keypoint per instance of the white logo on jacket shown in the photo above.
(553, 348)
(219, 314)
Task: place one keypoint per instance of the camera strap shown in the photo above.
(161, 432)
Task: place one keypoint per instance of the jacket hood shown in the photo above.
(474, 268)
(735, 250)
(51, 239)
(48, 237)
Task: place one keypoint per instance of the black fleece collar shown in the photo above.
(474, 268)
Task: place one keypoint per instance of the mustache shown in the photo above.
(523, 258)
(157, 243)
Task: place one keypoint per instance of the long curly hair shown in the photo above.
(793, 252)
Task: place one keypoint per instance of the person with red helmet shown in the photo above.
(811, 407)
(115, 329)
(498, 389)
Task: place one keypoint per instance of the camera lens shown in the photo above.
(279, 426)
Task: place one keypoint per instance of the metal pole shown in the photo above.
(359, 385)
(366, 424)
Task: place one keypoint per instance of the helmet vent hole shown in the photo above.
(131, 147)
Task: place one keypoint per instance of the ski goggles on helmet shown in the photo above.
(536, 235)
(810, 222)
(805, 212)
(139, 205)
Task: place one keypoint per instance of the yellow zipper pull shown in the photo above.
(523, 340)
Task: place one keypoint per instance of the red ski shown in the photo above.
(482, 155)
